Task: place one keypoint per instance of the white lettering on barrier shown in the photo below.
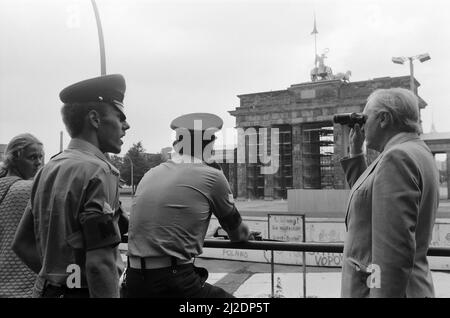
(328, 259)
(73, 19)
(235, 253)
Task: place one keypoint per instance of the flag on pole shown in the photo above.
(315, 28)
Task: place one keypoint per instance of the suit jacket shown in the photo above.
(390, 217)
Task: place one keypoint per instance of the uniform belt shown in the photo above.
(154, 262)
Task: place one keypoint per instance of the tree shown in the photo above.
(116, 161)
(142, 162)
(153, 159)
(140, 166)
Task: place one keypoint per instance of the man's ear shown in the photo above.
(386, 119)
(94, 118)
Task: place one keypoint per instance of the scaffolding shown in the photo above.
(255, 180)
(283, 179)
(317, 155)
(317, 160)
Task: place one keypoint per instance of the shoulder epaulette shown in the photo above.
(55, 155)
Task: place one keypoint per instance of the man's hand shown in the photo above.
(244, 232)
(255, 236)
(240, 234)
(356, 137)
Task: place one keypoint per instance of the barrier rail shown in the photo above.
(300, 247)
(295, 246)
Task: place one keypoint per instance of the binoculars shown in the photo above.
(350, 119)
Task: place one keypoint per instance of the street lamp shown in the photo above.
(401, 60)
(132, 173)
(101, 40)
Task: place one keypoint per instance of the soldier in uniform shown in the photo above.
(74, 209)
(171, 213)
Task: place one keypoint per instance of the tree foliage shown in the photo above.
(141, 162)
(116, 161)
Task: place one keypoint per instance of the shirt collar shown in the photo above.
(401, 138)
(85, 146)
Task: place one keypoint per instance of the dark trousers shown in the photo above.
(180, 281)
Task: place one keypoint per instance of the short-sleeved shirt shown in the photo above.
(172, 209)
(74, 202)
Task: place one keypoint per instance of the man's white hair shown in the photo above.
(401, 104)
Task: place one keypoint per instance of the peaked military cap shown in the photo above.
(197, 121)
(107, 88)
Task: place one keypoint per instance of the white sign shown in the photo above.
(286, 228)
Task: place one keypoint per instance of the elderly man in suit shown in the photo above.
(392, 204)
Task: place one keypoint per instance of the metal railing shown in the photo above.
(294, 247)
(300, 247)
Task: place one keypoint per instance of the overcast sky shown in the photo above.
(197, 56)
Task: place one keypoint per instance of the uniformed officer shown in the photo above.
(74, 207)
(171, 213)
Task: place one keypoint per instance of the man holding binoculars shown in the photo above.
(392, 204)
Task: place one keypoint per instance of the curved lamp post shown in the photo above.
(100, 39)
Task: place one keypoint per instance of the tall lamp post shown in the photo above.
(401, 60)
(132, 174)
(101, 40)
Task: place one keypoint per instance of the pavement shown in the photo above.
(254, 280)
